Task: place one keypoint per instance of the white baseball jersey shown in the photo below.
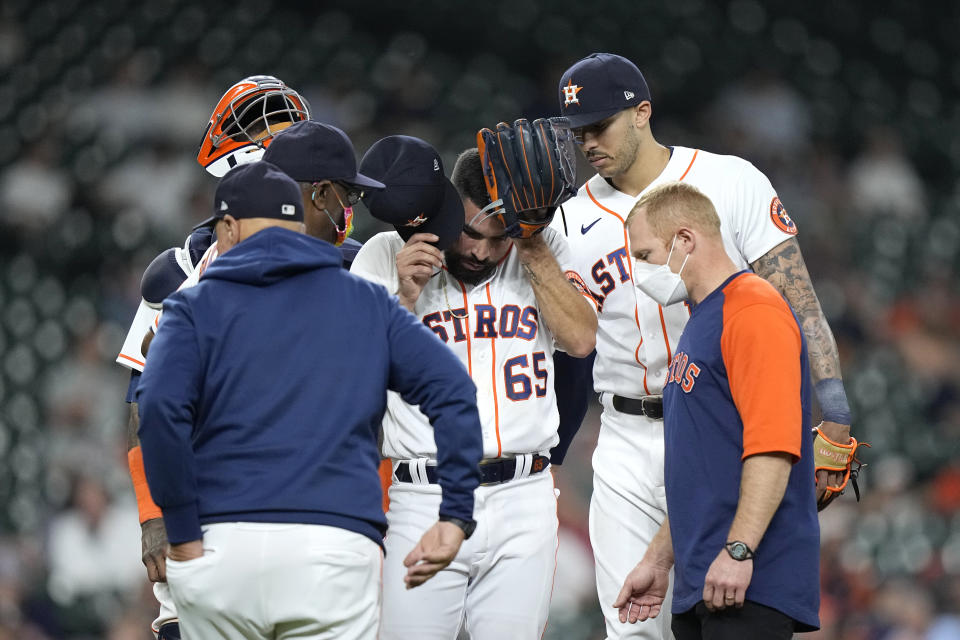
(635, 342)
(496, 330)
(148, 316)
(636, 336)
(130, 355)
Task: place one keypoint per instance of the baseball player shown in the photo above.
(607, 102)
(242, 124)
(262, 466)
(502, 305)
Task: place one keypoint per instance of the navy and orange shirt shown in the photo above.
(738, 385)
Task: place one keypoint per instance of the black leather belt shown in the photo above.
(650, 406)
(492, 472)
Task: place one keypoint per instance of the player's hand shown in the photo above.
(153, 543)
(436, 549)
(726, 582)
(416, 263)
(643, 592)
(186, 551)
(838, 433)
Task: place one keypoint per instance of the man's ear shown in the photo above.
(233, 228)
(687, 238)
(642, 113)
(321, 192)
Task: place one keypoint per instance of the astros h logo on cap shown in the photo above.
(570, 93)
(613, 83)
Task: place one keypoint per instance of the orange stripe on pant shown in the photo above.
(386, 479)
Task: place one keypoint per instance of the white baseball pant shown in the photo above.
(627, 507)
(168, 610)
(500, 583)
(279, 581)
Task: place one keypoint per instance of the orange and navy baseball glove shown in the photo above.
(529, 169)
(833, 456)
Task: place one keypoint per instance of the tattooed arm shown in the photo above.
(567, 313)
(153, 535)
(784, 268)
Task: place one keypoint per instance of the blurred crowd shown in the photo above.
(850, 112)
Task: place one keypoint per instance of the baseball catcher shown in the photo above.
(529, 170)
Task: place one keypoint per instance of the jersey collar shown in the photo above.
(680, 158)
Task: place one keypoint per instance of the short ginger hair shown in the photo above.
(676, 204)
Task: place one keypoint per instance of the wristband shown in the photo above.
(467, 526)
(833, 401)
(145, 505)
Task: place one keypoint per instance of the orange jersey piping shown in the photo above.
(133, 360)
(692, 160)
(493, 373)
(636, 311)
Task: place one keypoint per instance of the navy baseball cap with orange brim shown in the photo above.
(599, 86)
(418, 197)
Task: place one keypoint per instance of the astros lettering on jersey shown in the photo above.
(496, 330)
(636, 342)
(717, 416)
(634, 331)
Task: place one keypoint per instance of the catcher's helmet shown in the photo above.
(245, 120)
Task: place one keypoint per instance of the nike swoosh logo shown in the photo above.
(584, 229)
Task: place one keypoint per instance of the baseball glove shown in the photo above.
(833, 456)
(529, 170)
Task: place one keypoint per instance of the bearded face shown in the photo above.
(468, 269)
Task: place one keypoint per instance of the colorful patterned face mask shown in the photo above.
(342, 233)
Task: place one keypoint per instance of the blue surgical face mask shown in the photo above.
(663, 285)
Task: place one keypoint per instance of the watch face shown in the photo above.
(738, 550)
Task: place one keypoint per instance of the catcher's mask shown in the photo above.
(245, 120)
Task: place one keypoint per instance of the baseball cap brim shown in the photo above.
(366, 182)
(209, 223)
(446, 223)
(586, 119)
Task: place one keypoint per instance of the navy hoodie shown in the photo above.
(262, 397)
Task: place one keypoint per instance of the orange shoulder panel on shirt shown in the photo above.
(761, 346)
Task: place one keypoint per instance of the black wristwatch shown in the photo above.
(739, 550)
(468, 526)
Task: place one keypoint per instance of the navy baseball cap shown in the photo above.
(418, 197)
(162, 277)
(599, 86)
(256, 190)
(197, 243)
(310, 151)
